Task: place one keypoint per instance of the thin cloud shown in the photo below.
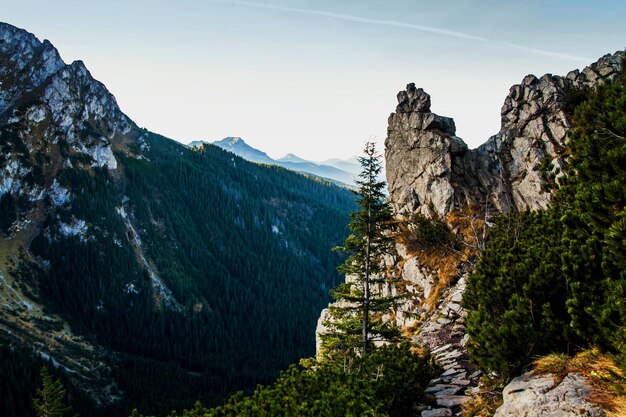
(395, 23)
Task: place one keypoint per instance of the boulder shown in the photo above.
(532, 395)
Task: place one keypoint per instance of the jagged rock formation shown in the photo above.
(50, 115)
(431, 170)
(532, 395)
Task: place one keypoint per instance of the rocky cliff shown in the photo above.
(50, 111)
(432, 173)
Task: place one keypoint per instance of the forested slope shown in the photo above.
(153, 274)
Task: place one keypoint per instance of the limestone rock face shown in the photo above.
(431, 171)
(540, 395)
(50, 108)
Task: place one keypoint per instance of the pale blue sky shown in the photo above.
(317, 78)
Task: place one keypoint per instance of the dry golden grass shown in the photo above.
(555, 363)
(608, 381)
(483, 404)
(419, 351)
(411, 329)
(486, 402)
(443, 256)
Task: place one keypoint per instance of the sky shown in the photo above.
(317, 78)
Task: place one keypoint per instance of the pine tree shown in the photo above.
(50, 401)
(516, 295)
(594, 220)
(357, 316)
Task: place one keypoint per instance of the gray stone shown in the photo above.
(437, 412)
(457, 298)
(450, 372)
(454, 307)
(441, 348)
(541, 396)
(435, 388)
(446, 392)
(451, 355)
(461, 382)
(449, 365)
(430, 168)
(452, 400)
(475, 375)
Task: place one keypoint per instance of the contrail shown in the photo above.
(395, 23)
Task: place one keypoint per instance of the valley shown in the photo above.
(423, 278)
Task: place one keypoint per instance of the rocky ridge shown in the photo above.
(431, 172)
(52, 116)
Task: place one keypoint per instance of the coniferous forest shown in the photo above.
(234, 242)
(140, 277)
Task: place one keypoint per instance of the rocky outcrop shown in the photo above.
(431, 171)
(50, 115)
(25, 63)
(543, 395)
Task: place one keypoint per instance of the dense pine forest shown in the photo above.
(244, 249)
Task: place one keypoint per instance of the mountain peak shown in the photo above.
(239, 147)
(29, 62)
(290, 157)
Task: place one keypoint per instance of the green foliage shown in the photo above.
(50, 400)
(422, 233)
(389, 381)
(8, 213)
(19, 379)
(550, 281)
(365, 296)
(516, 294)
(594, 200)
(243, 248)
(20, 376)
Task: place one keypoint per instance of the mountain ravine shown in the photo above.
(137, 266)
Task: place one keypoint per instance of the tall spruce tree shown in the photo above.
(362, 301)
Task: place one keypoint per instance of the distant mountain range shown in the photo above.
(335, 170)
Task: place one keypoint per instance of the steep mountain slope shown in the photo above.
(146, 263)
(239, 147)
